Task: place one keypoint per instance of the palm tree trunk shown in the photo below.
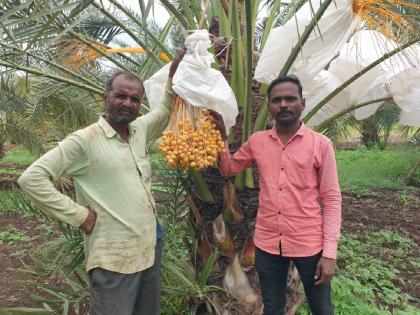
(369, 131)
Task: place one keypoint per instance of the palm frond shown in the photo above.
(411, 133)
(340, 129)
(173, 9)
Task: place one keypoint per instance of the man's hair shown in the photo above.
(130, 76)
(285, 78)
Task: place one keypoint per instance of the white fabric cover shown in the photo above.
(154, 87)
(195, 81)
(405, 90)
(316, 90)
(336, 26)
(397, 77)
(357, 49)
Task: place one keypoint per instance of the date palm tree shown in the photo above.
(55, 57)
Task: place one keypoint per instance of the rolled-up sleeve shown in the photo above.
(238, 162)
(330, 196)
(68, 158)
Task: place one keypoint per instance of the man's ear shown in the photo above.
(303, 102)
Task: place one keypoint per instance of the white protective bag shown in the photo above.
(195, 81)
(396, 77)
(405, 90)
(336, 26)
(316, 90)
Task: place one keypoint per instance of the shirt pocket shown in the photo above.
(145, 168)
(302, 174)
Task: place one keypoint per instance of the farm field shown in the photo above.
(379, 255)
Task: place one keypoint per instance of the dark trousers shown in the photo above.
(113, 293)
(272, 272)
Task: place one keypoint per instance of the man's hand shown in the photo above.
(88, 225)
(325, 270)
(220, 125)
(176, 61)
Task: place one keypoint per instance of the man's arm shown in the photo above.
(66, 159)
(238, 162)
(330, 196)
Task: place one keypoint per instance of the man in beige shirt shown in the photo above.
(114, 205)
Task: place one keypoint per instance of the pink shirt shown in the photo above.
(295, 179)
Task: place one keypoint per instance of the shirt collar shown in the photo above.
(106, 127)
(301, 131)
(109, 131)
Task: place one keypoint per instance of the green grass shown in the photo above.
(6, 203)
(13, 236)
(9, 171)
(367, 278)
(376, 259)
(374, 168)
(18, 156)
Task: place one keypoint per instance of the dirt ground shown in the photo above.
(15, 257)
(380, 209)
(386, 210)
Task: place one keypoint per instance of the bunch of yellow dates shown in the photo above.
(192, 141)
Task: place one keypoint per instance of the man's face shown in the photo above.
(123, 101)
(285, 103)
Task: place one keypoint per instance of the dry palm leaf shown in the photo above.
(222, 238)
(78, 54)
(236, 283)
(197, 216)
(379, 15)
(205, 248)
(232, 213)
(248, 254)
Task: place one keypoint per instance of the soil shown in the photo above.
(384, 209)
(16, 282)
(377, 210)
(14, 257)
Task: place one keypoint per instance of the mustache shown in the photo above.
(283, 111)
(124, 109)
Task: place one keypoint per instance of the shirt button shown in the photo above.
(284, 149)
(280, 188)
(282, 168)
(279, 212)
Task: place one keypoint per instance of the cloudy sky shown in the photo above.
(159, 14)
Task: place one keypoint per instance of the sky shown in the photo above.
(159, 14)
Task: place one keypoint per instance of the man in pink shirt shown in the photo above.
(299, 215)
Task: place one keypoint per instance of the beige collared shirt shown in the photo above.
(112, 177)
